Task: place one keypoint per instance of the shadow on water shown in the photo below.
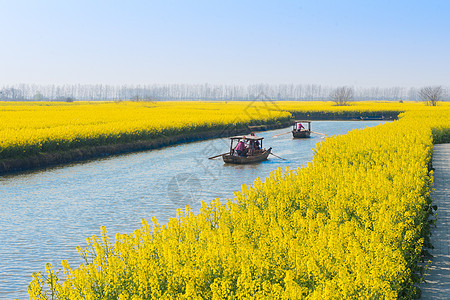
(46, 214)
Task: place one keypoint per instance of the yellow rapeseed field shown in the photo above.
(350, 225)
(29, 128)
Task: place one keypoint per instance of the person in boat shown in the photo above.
(240, 148)
(256, 145)
(300, 127)
(251, 145)
(253, 148)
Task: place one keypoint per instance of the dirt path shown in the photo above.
(438, 275)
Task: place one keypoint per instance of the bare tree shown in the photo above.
(298, 92)
(431, 94)
(12, 94)
(342, 95)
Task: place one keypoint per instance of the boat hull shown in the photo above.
(231, 159)
(299, 134)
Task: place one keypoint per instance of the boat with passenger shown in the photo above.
(246, 149)
(299, 130)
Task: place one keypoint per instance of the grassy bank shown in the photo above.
(353, 224)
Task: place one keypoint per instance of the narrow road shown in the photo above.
(438, 274)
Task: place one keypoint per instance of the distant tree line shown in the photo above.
(162, 92)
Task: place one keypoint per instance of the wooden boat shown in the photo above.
(299, 131)
(254, 152)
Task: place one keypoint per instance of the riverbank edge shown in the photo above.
(53, 159)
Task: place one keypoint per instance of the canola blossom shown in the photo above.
(31, 128)
(352, 224)
(28, 129)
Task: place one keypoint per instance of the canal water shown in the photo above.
(44, 215)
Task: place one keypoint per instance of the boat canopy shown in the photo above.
(246, 137)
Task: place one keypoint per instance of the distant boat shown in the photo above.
(253, 152)
(299, 131)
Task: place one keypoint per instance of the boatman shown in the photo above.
(240, 148)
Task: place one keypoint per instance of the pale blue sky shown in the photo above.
(362, 43)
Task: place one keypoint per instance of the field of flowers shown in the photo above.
(365, 109)
(350, 225)
(30, 128)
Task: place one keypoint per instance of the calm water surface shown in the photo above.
(44, 215)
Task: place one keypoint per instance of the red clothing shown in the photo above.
(240, 146)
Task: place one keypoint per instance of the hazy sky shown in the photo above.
(362, 43)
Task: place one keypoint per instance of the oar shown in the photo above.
(281, 134)
(218, 155)
(318, 133)
(277, 156)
